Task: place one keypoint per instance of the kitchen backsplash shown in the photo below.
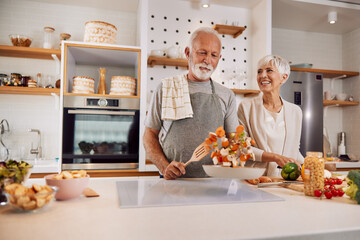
(24, 112)
(323, 50)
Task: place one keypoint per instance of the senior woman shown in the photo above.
(272, 122)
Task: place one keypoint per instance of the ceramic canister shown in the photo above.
(100, 32)
(83, 84)
(123, 85)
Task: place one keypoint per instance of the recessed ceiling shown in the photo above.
(305, 16)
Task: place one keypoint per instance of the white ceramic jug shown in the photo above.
(173, 52)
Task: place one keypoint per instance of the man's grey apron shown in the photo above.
(186, 134)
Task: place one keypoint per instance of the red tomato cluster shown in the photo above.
(329, 189)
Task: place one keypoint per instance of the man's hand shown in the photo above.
(174, 170)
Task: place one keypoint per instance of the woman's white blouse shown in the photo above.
(274, 126)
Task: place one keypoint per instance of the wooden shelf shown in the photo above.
(339, 103)
(28, 52)
(179, 62)
(235, 31)
(246, 92)
(28, 91)
(327, 73)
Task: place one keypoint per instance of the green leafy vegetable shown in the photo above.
(13, 172)
(353, 185)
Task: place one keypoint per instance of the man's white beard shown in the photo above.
(203, 75)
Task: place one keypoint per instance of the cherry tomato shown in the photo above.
(331, 182)
(335, 192)
(339, 181)
(317, 193)
(340, 192)
(331, 187)
(328, 195)
(326, 189)
(326, 181)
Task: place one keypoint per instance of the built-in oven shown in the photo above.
(100, 133)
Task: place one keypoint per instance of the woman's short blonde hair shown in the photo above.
(280, 63)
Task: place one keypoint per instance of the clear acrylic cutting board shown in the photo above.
(160, 192)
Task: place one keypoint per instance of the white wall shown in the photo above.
(324, 51)
(351, 115)
(29, 18)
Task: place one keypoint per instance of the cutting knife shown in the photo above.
(277, 183)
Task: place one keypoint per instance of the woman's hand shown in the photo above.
(279, 159)
(174, 170)
(282, 160)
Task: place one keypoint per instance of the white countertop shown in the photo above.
(45, 166)
(347, 164)
(298, 217)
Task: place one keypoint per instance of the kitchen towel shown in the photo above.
(176, 98)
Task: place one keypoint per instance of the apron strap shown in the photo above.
(212, 86)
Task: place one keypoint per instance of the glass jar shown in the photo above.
(64, 37)
(48, 37)
(313, 173)
(3, 79)
(15, 79)
(24, 80)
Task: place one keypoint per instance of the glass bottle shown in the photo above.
(48, 37)
(313, 173)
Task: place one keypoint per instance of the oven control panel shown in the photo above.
(102, 102)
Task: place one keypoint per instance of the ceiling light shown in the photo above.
(205, 3)
(332, 17)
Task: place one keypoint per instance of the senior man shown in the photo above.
(184, 109)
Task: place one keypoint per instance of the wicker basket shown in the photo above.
(123, 85)
(100, 32)
(83, 85)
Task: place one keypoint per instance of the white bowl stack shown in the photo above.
(123, 85)
(83, 84)
(100, 32)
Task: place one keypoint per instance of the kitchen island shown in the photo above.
(295, 217)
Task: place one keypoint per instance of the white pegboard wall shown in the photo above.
(171, 22)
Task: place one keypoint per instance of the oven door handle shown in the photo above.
(101, 112)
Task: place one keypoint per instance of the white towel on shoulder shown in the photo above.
(176, 98)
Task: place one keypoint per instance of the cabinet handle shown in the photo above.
(101, 112)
